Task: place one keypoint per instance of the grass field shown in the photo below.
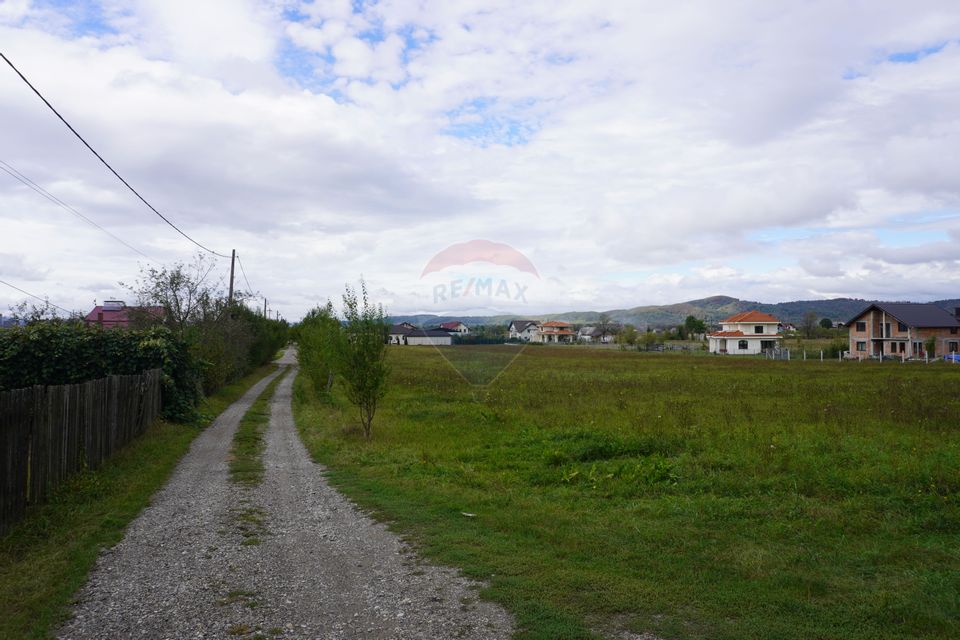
(46, 557)
(703, 497)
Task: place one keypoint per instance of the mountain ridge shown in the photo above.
(712, 309)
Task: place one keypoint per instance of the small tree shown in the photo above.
(320, 337)
(826, 323)
(648, 339)
(931, 346)
(628, 335)
(694, 326)
(809, 323)
(363, 353)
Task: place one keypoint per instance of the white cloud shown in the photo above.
(653, 139)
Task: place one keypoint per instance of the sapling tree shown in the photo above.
(362, 361)
(320, 344)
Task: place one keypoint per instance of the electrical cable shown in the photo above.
(105, 163)
(18, 175)
(249, 288)
(44, 300)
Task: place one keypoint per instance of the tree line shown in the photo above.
(202, 340)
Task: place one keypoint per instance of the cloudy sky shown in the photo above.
(635, 152)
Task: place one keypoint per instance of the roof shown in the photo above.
(451, 325)
(914, 314)
(402, 328)
(741, 334)
(557, 324)
(521, 325)
(119, 317)
(750, 316)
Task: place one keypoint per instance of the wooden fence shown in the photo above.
(50, 433)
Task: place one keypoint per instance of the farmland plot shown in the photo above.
(602, 492)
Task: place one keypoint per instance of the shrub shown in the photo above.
(53, 353)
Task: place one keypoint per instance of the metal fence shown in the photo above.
(50, 433)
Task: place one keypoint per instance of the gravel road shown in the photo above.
(291, 558)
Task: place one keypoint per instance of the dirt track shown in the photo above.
(317, 568)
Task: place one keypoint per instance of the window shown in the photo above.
(742, 345)
(861, 346)
(861, 326)
(903, 347)
(901, 326)
(758, 328)
(952, 346)
(886, 329)
(953, 331)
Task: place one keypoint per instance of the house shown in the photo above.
(115, 314)
(746, 333)
(407, 334)
(903, 329)
(597, 334)
(523, 330)
(456, 327)
(556, 332)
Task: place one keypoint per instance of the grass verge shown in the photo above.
(709, 497)
(46, 557)
(246, 454)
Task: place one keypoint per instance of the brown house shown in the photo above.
(902, 329)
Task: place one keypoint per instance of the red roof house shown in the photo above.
(113, 314)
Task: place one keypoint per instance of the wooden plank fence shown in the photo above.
(49, 433)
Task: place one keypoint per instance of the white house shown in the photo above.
(746, 333)
(455, 327)
(598, 334)
(525, 330)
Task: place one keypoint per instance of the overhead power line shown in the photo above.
(249, 288)
(105, 163)
(32, 295)
(18, 175)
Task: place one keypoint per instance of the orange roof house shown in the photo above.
(746, 333)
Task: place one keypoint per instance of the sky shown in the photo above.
(634, 152)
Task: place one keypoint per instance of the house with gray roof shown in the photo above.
(407, 334)
(903, 329)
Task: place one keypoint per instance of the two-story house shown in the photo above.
(455, 327)
(523, 330)
(556, 331)
(902, 329)
(746, 333)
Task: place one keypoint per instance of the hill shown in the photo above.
(712, 309)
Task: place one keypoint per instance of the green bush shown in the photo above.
(52, 353)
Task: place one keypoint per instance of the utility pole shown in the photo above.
(233, 257)
(264, 307)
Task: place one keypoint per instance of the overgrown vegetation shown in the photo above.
(688, 497)
(355, 349)
(47, 555)
(51, 353)
(226, 339)
(201, 341)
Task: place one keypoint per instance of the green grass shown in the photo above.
(46, 557)
(246, 454)
(704, 497)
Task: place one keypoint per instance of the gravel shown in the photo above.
(290, 558)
